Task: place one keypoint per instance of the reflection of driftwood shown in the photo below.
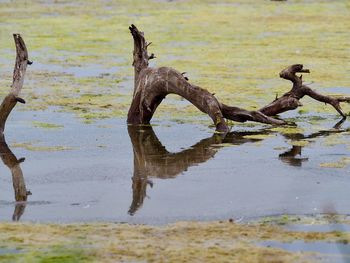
(290, 100)
(293, 155)
(152, 85)
(6, 107)
(151, 159)
(19, 187)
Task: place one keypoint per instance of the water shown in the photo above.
(330, 252)
(319, 228)
(168, 173)
(7, 251)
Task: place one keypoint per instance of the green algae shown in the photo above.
(31, 146)
(301, 143)
(223, 241)
(258, 136)
(45, 125)
(342, 163)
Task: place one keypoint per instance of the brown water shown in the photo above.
(169, 172)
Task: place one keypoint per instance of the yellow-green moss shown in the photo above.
(45, 125)
(30, 146)
(181, 242)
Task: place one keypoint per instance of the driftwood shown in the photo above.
(9, 102)
(290, 100)
(152, 85)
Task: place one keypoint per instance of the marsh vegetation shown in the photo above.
(89, 173)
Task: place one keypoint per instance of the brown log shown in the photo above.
(19, 71)
(290, 100)
(152, 85)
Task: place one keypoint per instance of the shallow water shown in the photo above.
(319, 227)
(112, 172)
(331, 252)
(7, 251)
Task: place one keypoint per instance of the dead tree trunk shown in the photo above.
(19, 71)
(9, 102)
(290, 100)
(152, 85)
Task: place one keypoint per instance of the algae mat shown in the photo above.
(180, 242)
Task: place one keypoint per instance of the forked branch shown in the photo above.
(290, 100)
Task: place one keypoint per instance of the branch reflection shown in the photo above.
(151, 159)
(19, 187)
(293, 156)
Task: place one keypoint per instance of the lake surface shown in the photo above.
(107, 171)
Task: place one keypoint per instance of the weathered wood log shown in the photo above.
(19, 71)
(290, 100)
(152, 85)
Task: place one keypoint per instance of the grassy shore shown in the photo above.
(180, 242)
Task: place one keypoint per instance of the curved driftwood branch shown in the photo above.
(152, 85)
(19, 71)
(290, 100)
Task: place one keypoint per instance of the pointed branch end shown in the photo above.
(20, 100)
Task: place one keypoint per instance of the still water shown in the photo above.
(107, 171)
